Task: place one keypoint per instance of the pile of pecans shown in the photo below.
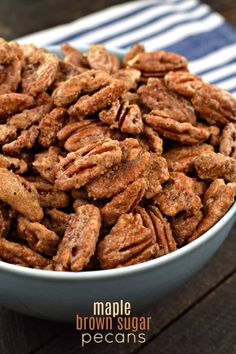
(107, 163)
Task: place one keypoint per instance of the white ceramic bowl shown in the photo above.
(61, 295)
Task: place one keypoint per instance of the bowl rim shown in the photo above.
(122, 271)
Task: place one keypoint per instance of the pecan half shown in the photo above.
(45, 162)
(99, 58)
(80, 239)
(156, 174)
(73, 56)
(183, 82)
(128, 242)
(81, 166)
(20, 194)
(7, 133)
(211, 165)
(26, 139)
(11, 103)
(18, 166)
(228, 140)
(50, 125)
(129, 76)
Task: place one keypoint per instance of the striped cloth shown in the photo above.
(187, 27)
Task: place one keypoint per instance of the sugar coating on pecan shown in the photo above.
(178, 195)
(215, 105)
(151, 140)
(183, 82)
(73, 56)
(128, 242)
(156, 174)
(228, 140)
(184, 133)
(180, 159)
(7, 133)
(129, 76)
(156, 96)
(25, 140)
(21, 255)
(217, 200)
(11, 103)
(37, 236)
(46, 161)
(20, 195)
(19, 166)
(80, 167)
(125, 202)
(99, 58)
(50, 125)
(79, 242)
(56, 220)
(211, 165)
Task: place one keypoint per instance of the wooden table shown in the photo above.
(198, 318)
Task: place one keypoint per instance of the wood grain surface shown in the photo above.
(197, 318)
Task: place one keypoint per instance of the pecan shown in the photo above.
(18, 166)
(215, 132)
(217, 200)
(7, 133)
(184, 133)
(50, 125)
(20, 194)
(99, 100)
(18, 254)
(5, 220)
(39, 72)
(157, 63)
(28, 117)
(73, 56)
(79, 242)
(180, 159)
(134, 162)
(124, 202)
(56, 220)
(11, 103)
(45, 163)
(211, 165)
(155, 95)
(26, 139)
(133, 51)
(129, 76)
(156, 174)
(37, 236)
(215, 105)
(183, 82)
(69, 91)
(65, 71)
(151, 141)
(228, 140)
(178, 195)
(77, 135)
(160, 228)
(83, 165)
(123, 115)
(99, 58)
(128, 242)
(115, 63)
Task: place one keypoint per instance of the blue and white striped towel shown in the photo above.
(187, 27)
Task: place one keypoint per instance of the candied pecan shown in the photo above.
(128, 242)
(77, 135)
(157, 63)
(11, 103)
(37, 236)
(21, 255)
(81, 166)
(99, 58)
(184, 225)
(151, 141)
(69, 91)
(39, 72)
(5, 220)
(50, 125)
(178, 195)
(56, 220)
(160, 228)
(129, 76)
(180, 159)
(133, 51)
(215, 132)
(28, 117)
(115, 63)
(73, 56)
(215, 105)
(49, 196)
(183, 82)
(20, 194)
(26, 139)
(79, 242)
(155, 95)
(211, 165)
(133, 165)
(124, 202)
(45, 163)
(99, 100)
(156, 174)
(217, 200)
(123, 115)
(7, 133)
(184, 133)
(228, 140)
(18, 166)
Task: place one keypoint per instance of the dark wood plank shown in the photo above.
(208, 328)
(163, 313)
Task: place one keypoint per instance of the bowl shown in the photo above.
(61, 295)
